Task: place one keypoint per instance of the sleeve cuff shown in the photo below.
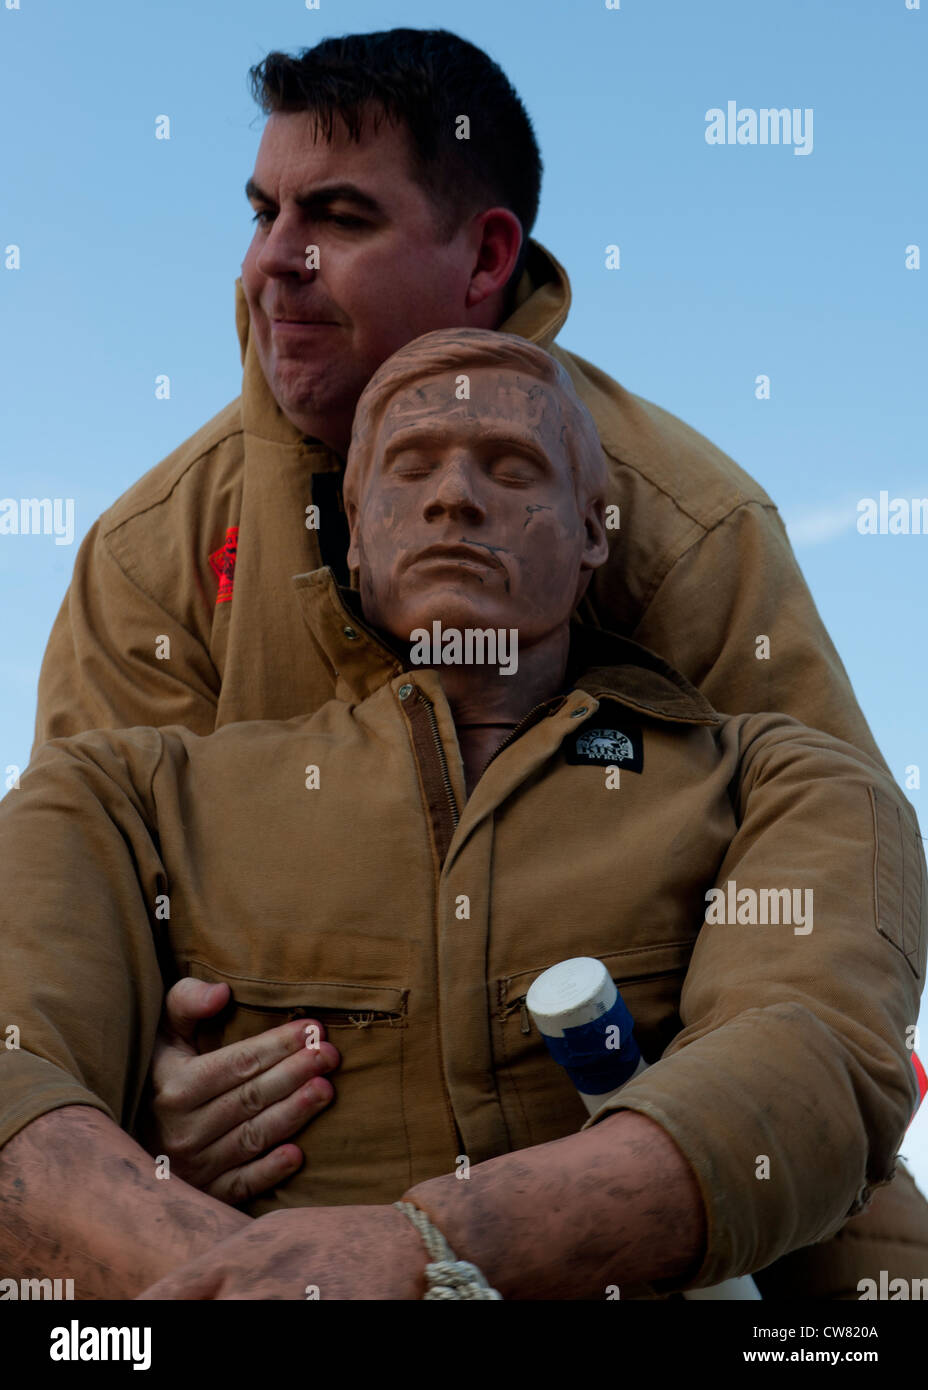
(31, 1087)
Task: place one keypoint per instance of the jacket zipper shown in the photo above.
(433, 765)
(517, 1004)
(358, 1018)
(520, 729)
(442, 760)
(431, 757)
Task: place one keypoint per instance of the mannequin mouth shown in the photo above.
(461, 556)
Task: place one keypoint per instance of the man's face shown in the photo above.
(383, 277)
(467, 512)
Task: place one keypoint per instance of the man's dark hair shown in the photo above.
(423, 79)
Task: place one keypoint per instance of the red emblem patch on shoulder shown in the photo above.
(223, 563)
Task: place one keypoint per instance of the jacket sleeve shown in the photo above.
(80, 989)
(101, 668)
(790, 1085)
(737, 584)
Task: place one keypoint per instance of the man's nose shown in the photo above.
(455, 492)
(285, 250)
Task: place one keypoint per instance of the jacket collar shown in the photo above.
(600, 663)
(541, 302)
(611, 667)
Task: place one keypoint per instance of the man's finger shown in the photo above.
(188, 1002)
(230, 1068)
(252, 1179)
(260, 1129)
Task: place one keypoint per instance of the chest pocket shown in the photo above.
(356, 1150)
(538, 1099)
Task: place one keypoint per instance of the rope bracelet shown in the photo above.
(448, 1277)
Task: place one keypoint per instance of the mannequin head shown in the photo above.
(474, 488)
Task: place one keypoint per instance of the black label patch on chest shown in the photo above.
(618, 743)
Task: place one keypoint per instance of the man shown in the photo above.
(415, 854)
(368, 234)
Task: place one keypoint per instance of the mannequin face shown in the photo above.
(467, 514)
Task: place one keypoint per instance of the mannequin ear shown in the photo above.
(351, 512)
(596, 541)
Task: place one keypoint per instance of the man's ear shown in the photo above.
(498, 236)
(596, 541)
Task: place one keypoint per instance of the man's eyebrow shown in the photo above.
(320, 198)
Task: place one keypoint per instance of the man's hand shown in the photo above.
(308, 1252)
(214, 1114)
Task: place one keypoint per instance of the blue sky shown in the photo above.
(735, 261)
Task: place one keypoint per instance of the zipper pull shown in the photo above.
(526, 1026)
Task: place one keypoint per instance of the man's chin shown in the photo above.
(302, 386)
(300, 390)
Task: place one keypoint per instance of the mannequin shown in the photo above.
(492, 520)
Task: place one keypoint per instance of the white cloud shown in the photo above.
(815, 525)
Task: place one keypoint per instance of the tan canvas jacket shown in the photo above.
(412, 920)
(700, 567)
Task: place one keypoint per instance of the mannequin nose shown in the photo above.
(454, 494)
